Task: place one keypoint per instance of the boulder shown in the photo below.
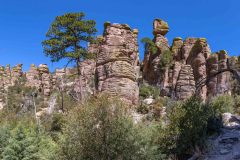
(160, 27)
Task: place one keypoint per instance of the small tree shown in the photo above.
(149, 45)
(166, 56)
(67, 38)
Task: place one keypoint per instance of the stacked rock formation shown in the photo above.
(219, 84)
(46, 80)
(58, 77)
(185, 85)
(116, 69)
(117, 61)
(85, 84)
(193, 62)
(16, 73)
(33, 77)
(2, 86)
(152, 73)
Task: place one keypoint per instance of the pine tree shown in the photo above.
(67, 38)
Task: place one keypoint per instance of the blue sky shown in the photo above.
(23, 24)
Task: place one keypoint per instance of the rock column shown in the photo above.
(116, 62)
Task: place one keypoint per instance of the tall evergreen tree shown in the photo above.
(67, 38)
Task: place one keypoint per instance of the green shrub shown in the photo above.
(222, 103)
(65, 101)
(143, 108)
(186, 131)
(23, 140)
(157, 107)
(149, 45)
(100, 129)
(146, 91)
(148, 138)
(166, 59)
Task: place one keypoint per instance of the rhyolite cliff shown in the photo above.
(117, 69)
(193, 62)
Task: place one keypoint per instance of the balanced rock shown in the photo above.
(152, 71)
(194, 53)
(160, 27)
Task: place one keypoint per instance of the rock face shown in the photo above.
(45, 80)
(160, 27)
(226, 145)
(33, 77)
(185, 86)
(86, 86)
(117, 61)
(192, 61)
(219, 84)
(177, 48)
(153, 72)
(116, 69)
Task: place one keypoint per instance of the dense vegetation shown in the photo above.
(104, 127)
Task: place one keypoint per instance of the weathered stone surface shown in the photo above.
(223, 78)
(225, 146)
(85, 85)
(33, 77)
(194, 52)
(219, 84)
(160, 27)
(117, 62)
(185, 86)
(152, 72)
(176, 48)
(197, 56)
(16, 73)
(45, 80)
(212, 68)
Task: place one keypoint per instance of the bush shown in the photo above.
(54, 125)
(149, 45)
(23, 140)
(65, 101)
(186, 131)
(100, 129)
(146, 91)
(19, 98)
(143, 108)
(148, 137)
(166, 59)
(222, 104)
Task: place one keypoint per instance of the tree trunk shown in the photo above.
(80, 80)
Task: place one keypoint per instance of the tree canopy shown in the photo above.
(68, 36)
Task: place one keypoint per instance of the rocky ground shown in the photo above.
(225, 146)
